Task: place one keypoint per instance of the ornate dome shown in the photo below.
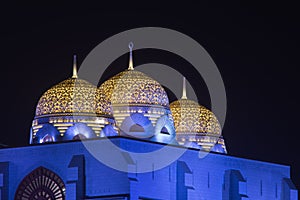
(132, 87)
(140, 105)
(190, 117)
(196, 126)
(71, 110)
(71, 97)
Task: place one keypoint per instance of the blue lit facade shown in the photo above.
(216, 176)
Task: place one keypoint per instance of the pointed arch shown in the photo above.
(79, 131)
(48, 133)
(136, 128)
(164, 131)
(137, 125)
(41, 183)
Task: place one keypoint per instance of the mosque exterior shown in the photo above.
(132, 111)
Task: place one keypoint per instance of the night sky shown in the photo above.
(255, 46)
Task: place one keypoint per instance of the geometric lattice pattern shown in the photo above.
(41, 184)
(190, 117)
(73, 96)
(132, 87)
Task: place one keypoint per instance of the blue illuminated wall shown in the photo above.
(213, 177)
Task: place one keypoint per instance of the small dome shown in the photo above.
(132, 87)
(190, 117)
(73, 96)
(71, 110)
(195, 125)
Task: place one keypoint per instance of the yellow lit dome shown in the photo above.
(190, 117)
(71, 110)
(132, 87)
(140, 105)
(73, 96)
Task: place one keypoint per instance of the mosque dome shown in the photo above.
(190, 117)
(195, 125)
(71, 110)
(140, 105)
(71, 97)
(132, 87)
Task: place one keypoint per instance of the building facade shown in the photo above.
(68, 171)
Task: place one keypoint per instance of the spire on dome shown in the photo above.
(130, 67)
(74, 67)
(184, 89)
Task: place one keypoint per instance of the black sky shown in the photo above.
(254, 45)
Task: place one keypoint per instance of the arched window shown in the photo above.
(79, 137)
(164, 130)
(47, 138)
(79, 131)
(41, 184)
(48, 133)
(136, 128)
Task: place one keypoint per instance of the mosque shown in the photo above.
(132, 111)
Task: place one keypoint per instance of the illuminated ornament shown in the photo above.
(139, 104)
(64, 105)
(195, 125)
(130, 67)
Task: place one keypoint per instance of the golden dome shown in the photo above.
(73, 96)
(190, 117)
(132, 87)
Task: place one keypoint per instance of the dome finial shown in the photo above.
(74, 67)
(184, 89)
(130, 67)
